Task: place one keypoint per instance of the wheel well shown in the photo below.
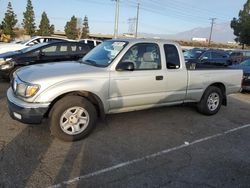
(94, 99)
(222, 87)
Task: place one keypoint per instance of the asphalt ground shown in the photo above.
(163, 147)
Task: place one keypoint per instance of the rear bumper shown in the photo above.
(29, 113)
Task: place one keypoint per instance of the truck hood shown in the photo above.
(52, 73)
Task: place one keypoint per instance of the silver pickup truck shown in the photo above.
(116, 76)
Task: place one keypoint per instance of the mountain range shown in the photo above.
(222, 33)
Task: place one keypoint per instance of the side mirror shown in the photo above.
(125, 66)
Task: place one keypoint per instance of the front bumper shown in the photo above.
(29, 113)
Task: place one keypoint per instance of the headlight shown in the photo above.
(25, 89)
(6, 64)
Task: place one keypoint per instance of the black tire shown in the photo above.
(203, 105)
(61, 107)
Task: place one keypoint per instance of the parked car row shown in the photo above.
(211, 58)
(19, 45)
(40, 50)
(216, 57)
(207, 57)
(239, 56)
(245, 66)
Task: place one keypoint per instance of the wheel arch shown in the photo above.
(222, 87)
(91, 97)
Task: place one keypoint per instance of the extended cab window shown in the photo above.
(172, 56)
(144, 56)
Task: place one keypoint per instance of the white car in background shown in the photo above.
(91, 42)
(18, 45)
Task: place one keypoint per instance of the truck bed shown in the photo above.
(199, 79)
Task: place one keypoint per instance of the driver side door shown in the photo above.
(144, 86)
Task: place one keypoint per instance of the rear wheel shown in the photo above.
(72, 118)
(211, 101)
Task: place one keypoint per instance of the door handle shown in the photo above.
(159, 77)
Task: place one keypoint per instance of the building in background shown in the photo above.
(196, 39)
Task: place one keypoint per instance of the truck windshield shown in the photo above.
(104, 54)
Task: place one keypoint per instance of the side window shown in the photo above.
(53, 40)
(73, 48)
(33, 42)
(63, 48)
(216, 55)
(247, 54)
(33, 54)
(90, 42)
(49, 51)
(144, 56)
(206, 55)
(172, 56)
(83, 49)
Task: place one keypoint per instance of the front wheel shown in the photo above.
(211, 101)
(72, 118)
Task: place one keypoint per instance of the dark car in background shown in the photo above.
(209, 58)
(239, 56)
(91, 42)
(193, 54)
(41, 53)
(245, 66)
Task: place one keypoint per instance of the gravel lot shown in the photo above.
(163, 147)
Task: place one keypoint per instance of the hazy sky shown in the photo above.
(156, 16)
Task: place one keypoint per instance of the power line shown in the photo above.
(171, 13)
(186, 7)
(174, 11)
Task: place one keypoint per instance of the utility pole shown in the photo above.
(137, 20)
(116, 19)
(211, 31)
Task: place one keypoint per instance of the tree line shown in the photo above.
(73, 29)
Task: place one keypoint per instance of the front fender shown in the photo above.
(99, 87)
